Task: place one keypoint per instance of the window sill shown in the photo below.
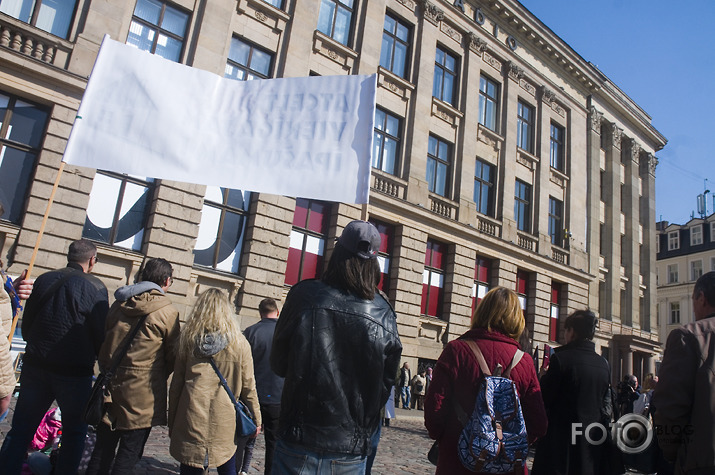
(525, 158)
(394, 83)
(446, 112)
(265, 13)
(489, 137)
(333, 50)
(559, 177)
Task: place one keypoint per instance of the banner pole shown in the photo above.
(37, 241)
(364, 215)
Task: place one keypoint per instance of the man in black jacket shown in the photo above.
(63, 325)
(337, 345)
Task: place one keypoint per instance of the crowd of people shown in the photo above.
(317, 376)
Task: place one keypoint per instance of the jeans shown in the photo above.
(244, 453)
(374, 441)
(405, 392)
(297, 460)
(229, 468)
(270, 414)
(38, 388)
(131, 448)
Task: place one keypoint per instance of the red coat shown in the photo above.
(457, 374)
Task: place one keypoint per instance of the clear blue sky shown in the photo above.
(661, 54)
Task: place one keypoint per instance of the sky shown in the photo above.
(661, 54)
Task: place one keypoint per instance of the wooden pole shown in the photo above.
(365, 214)
(37, 241)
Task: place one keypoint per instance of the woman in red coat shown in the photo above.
(496, 325)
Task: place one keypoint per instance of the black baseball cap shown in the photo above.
(361, 238)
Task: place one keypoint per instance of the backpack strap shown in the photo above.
(514, 361)
(480, 357)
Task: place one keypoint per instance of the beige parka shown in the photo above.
(7, 374)
(138, 390)
(202, 418)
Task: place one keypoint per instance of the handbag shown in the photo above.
(245, 425)
(95, 407)
(433, 453)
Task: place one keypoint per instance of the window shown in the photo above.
(488, 103)
(696, 235)
(438, 166)
(158, 28)
(712, 231)
(117, 209)
(657, 243)
(444, 87)
(554, 311)
(246, 61)
(674, 313)
(522, 206)
(696, 269)
(556, 148)
(386, 141)
(482, 274)
(335, 19)
(395, 46)
(276, 3)
(384, 254)
(525, 127)
(712, 263)
(556, 209)
(307, 241)
(484, 187)
(673, 273)
(222, 228)
(22, 127)
(433, 279)
(52, 16)
(673, 240)
(522, 289)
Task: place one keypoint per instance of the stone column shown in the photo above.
(649, 319)
(593, 204)
(626, 362)
(542, 177)
(611, 245)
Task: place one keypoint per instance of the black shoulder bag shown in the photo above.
(245, 426)
(95, 408)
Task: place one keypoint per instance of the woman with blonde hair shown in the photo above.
(201, 414)
(497, 324)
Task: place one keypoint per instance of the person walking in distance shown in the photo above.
(63, 325)
(268, 383)
(405, 378)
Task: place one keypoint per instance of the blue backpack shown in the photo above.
(494, 437)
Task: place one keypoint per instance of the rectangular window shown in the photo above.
(522, 289)
(556, 148)
(554, 311)
(438, 166)
(307, 241)
(386, 141)
(222, 228)
(384, 255)
(158, 28)
(522, 206)
(444, 87)
(712, 263)
(394, 54)
(696, 270)
(52, 16)
(525, 127)
(433, 279)
(488, 103)
(482, 278)
(696, 235)
(22, 128)
(712, 231)
(117, 210)
(484, 187)
(247, 61)
(657, 243)
(276, 3)
(674, 313)
(673, 273)
(673, 240)
(556, 210)
(335, 19)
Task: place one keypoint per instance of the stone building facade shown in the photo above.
(501, 157)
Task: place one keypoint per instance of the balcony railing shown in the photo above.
(488, 226)
(34, 43)
(388, 185)
(443, 207)
(527, 242)
(559, 255)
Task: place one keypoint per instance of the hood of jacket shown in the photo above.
(209, 344)
(141, 299)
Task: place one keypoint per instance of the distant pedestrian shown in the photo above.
(202, 417)
(418, 390)
(405, 379)
(137, 392)
(63, 324)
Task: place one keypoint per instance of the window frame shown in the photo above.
(674, 313)
(306, 233)
(480, 183)
(384, 254)
(712, 231)
(247, 68)
(429, 272)
(394, 41)
(36, 7)
(528, 123)
(693, 240)
(554, 311)
(673, 272)
(158, 30)
(523, 204)
(442, 70)
(436, 160)
(674, 240)
(485, 98)
(694, 274)
(337, 6)
(384, 137)
(557, 147)
(482, 280)
(556, 225)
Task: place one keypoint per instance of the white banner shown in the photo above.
(307, 137)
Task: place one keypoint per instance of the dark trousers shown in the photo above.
(38, 389)
(229, 468)
(270, 414)
(131, 448)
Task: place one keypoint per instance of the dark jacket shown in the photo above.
(65, 330)
(339, 355)
(456, 380)
(576, 390)
(684, 398)
(268, 383)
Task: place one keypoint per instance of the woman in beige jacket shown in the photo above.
(202, 417)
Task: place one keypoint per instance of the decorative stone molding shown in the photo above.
(515, 72)
(558, 109)
(547, 95)
(616, 135)
(451, 32)
(490, 138)
(492, 61)
(431, 12)
(260, 16)
(477, 44)
(528, 87)
(595, 119)
(393, 83)
(635, 150)
(652, 163)
(521, 159)
(408, 3)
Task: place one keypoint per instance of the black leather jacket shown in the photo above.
(339, 355)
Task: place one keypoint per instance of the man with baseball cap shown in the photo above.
(337, 346)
